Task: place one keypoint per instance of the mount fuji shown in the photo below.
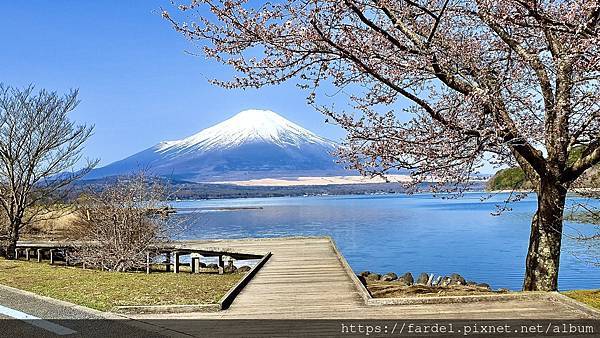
(253, 144)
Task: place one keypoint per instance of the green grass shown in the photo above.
(103, 290)
(589, 297)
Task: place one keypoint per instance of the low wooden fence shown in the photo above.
(169, 255)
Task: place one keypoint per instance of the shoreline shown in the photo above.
(327, 195)
(311, 181)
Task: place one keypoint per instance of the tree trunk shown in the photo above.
(541, 267)
(13, 238)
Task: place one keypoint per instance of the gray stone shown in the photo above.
(445, 281)
(244, 268)
(471, 283)
(388, 277)
(456, 279)
(438, 281)
(230, 268)
(202, 265)
(365, 273)
(503, 290)
(373, 276)
(423, 278)
(406, 278)
(212, 266)
(484, 285)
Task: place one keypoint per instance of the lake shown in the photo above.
(400, 233)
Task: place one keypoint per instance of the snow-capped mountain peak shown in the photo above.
(250, 145)
(246, 127)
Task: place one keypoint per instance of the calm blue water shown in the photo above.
(417, 233)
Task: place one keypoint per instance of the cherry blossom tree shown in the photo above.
(516, 80)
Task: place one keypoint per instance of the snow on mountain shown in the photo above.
(252, 144)
(247, 126)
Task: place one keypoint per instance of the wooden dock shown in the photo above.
(305, 278)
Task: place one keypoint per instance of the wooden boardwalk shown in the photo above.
(305, 278)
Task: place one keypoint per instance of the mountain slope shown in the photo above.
(252, 144)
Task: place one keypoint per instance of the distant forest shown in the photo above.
(190, 190)
(514, 178)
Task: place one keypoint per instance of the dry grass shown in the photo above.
(57, 225)
(103, 290)
(589, 297)
(380, 289)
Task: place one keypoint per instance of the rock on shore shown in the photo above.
(391, 283)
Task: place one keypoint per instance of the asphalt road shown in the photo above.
(26, 315)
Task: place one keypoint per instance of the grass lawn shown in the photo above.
(589, 297)
(103, 290)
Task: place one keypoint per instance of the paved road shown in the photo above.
(26, 315)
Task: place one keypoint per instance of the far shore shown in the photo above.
(315, 181)
(319, 181)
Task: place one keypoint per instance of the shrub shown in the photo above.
(121, 222)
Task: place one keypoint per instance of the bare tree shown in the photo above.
(39, 147)
(122, 222)
(516, 80)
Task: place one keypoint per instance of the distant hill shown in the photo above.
(253, 144)
(514, 178)
(508, 179)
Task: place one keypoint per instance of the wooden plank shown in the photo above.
(229, 297)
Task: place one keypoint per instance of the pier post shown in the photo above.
(27, 253)
(39, 255)
(51, 256)
(221, 265)
(168, 261)
(176, 255)
(194, 264)
(148, 262)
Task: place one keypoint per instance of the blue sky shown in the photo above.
(137, 84)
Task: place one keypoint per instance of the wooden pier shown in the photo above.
(305, 278)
